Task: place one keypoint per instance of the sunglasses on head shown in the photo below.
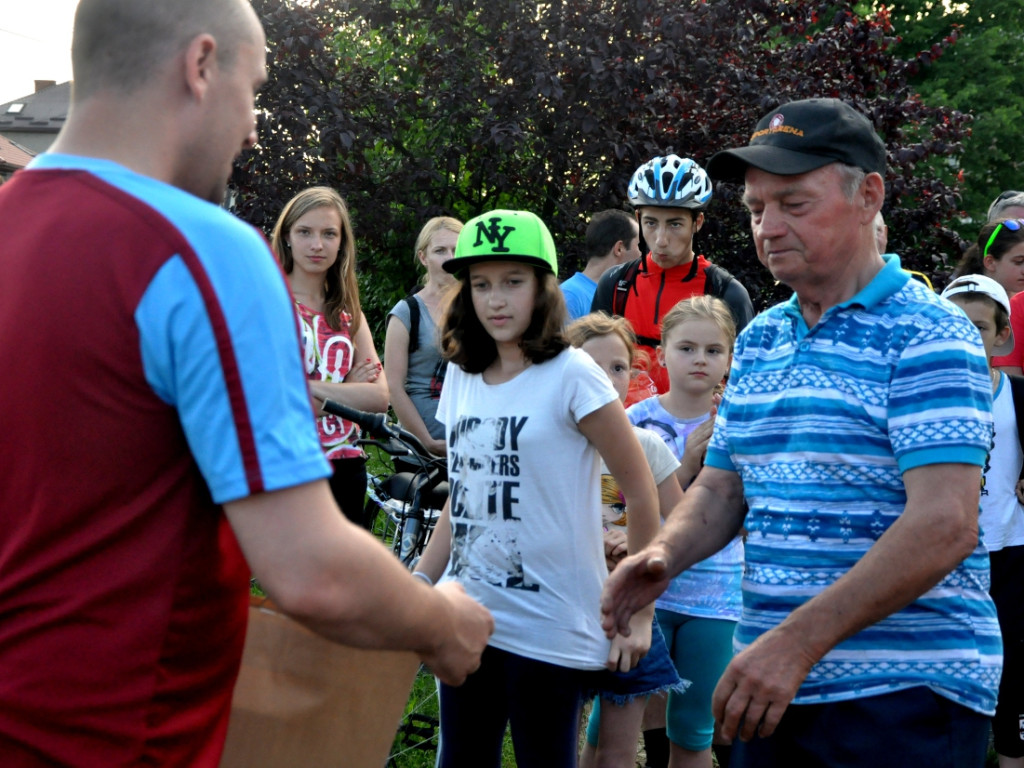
(1011, 224)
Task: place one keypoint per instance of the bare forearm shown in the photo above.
(611, 433)
(408, 415)
(708, 518)
(375, 603)
(435, 557)
(386, 610)
(366, 396)
(331, 575)
(688, 469)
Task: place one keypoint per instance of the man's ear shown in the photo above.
(698, 221)
(873, 190)
(200, 62)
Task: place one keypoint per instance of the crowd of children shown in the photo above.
(553, 481)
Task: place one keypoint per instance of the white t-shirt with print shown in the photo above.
(525, 505)
(1002, 517)
(659, 458)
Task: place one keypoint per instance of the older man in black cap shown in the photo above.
(850, 444)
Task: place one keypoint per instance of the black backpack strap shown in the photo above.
(716, 280)
(623, 286)
(720, 283)
(414, 322)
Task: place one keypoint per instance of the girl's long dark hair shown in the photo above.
(465, 342)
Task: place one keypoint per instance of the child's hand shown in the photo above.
(365, 372)
(614, 546)
(626, 652)
(696, 449)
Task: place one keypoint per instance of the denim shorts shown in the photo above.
(655, 673)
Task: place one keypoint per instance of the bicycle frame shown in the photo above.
(412, 500)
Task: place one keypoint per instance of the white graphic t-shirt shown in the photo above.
(1002, 517)
(526, 508)
(662, 463)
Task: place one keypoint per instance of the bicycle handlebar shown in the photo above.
(371, 422)
(376, 424)
(400, 442)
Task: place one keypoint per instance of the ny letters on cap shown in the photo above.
(504, 236)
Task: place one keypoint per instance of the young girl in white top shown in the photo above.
(614, 725)
(987, 305)
(526, 416)
(699, 610)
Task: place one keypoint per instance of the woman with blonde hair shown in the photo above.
(412, 355)
(314, 242)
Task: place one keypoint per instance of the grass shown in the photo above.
(415, 744)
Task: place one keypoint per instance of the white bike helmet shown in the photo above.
(670, 182)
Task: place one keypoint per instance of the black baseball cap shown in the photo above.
(801, 136)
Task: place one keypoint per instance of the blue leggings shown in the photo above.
(540, 701)
(701, 650)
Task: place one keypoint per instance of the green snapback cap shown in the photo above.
(504, 236)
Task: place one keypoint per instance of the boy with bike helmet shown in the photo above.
(669, 194)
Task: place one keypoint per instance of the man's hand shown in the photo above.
(470, 626)
(759, 683)
(636, 582)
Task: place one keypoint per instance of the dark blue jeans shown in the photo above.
(915, 727)
(540, 701)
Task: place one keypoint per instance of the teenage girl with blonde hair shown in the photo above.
(314, 241)
(412, 354)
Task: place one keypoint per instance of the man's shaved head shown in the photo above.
(119, 45)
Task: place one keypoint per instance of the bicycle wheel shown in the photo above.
(415, 744)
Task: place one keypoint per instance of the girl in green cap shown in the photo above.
(526, 416)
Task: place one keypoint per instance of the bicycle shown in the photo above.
(402, 508)
(411, 496)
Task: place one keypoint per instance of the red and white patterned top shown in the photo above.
(327, 355)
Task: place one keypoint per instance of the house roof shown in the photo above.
(12, 155)
(44, 111)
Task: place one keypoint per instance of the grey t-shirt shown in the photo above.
(426, 369)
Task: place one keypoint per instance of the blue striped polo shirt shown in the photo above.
(821, 423)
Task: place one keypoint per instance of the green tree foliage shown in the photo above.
(415, 109)
(979, 75)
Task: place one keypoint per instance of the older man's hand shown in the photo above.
(759, 683)
(636, 582)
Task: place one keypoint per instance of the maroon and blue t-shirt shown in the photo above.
(152, 372)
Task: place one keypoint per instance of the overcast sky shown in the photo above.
(35, 44)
